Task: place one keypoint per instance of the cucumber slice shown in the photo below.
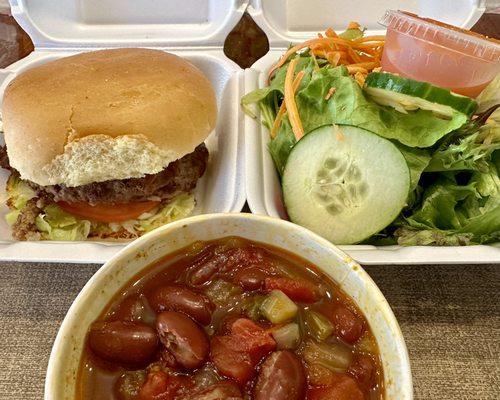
(407, 94)
(345, 183)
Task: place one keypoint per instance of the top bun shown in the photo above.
(102, 115)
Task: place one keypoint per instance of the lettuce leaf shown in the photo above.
(348, 105)
(470, 151)
(181, 207)
(407, 236)
(269, 96)
(455, 211)
(489, 97)
(56, 224)
(417, 160)
(19, 192)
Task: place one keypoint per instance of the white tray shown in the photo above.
(195, 31)
(279, 19)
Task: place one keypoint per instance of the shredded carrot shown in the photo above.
(359, 55)
(301, 46)
(282, 110)
(376, 38)
(354, 70)
(330, 33)
(291, 105)
(330, 93)
(367, 65)
(360, 78)
(369, 46)
(353, 55)
(333, 58)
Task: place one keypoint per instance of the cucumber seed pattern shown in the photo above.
(339, 184)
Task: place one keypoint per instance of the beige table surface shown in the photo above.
(450, 315)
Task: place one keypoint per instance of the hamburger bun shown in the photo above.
(104, 115)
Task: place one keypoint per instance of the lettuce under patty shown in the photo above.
(52, 223)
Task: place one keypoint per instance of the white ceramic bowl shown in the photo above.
(65, 356)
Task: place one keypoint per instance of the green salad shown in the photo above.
(390, 161)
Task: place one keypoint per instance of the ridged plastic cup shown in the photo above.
(441, 54)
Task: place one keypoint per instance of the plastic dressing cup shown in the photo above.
(444, 55)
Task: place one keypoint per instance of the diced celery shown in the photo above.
(336, 357)
(277, 307)
(252, 305)
(366, 344)
(129, 384)
(223, 292)
(287, 337)
(206, 377)
(318, 325)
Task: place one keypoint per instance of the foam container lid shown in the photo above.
(196, 31)
(292, 21)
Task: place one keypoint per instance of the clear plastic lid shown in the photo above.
(442, 34)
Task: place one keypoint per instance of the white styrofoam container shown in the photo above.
(195, 30)
(292, 21)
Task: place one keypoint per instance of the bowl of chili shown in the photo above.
(229, 306)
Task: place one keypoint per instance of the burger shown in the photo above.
(104, 144)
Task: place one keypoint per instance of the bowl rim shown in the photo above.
(125, 253)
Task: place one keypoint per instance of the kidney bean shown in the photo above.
(251, 278)
(222, 260)
(134, 308)
(364, 370)
(186, 341)
(168, 359)
(178, 298)
(281, 377)
(347, 324)
(123, 342)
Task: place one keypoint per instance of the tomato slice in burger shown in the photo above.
(108, 212)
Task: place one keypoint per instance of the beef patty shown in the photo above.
(178, 177)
